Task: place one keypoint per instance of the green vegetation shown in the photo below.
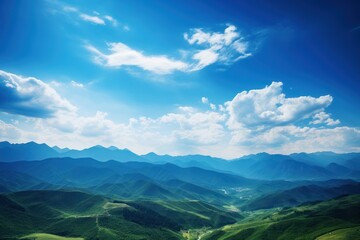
(341, 234)
(302, 194)
(195, 234)
(75, 214)
(339, 216)
(45, 236)
(86, 199)
(190, 214)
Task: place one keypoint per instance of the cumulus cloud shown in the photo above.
(256, 120)
(29, 96)
(183, 130)
(205, 100)
(269, 107)
(122, 55)
(324, 118)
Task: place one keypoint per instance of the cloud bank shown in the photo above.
(253, 121)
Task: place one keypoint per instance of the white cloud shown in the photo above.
(70, 9)
(194, 126)
(29, 96)
(122, 55)
(204, 100)
(93, 19)
(111, 20)
(9, 132)
(227, 47)
(291, 138)
(204, 58)
(324, 118)
(268, 107)
(224, 48)
(254, 121)
(297, 139)
(76, 84)
(200, 37)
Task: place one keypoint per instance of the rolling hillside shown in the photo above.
(83, 215)
(303, 194)
(313, 221)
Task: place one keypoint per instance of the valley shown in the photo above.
(84, 198)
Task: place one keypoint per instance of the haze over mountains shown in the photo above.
(297, 166)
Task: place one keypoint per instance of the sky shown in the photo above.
(220, 78)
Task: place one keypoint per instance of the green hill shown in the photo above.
(190, 214)
(304, 222)
(75, 214)
(298, 195)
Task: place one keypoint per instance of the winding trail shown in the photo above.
(97, 220)
(200, 237)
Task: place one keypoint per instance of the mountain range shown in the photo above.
(299, 166)
(110, 193)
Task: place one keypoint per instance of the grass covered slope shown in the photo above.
(304, 222)
(75, 214)
(191, 214)
(45, 236)
(302, 194)
(341, 234)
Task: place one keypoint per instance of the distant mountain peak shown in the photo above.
(127, 150)
(97, 146)
(150, 154)
(113, 148)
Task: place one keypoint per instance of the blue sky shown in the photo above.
(223, 78)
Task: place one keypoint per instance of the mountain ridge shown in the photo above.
(278, 166)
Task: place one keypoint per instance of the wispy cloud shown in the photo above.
(226, 47)
(122, 55)
(355, 29)
(222, 48)
(111, 20)
(92, 19)
(70, 9)
(76, 84)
